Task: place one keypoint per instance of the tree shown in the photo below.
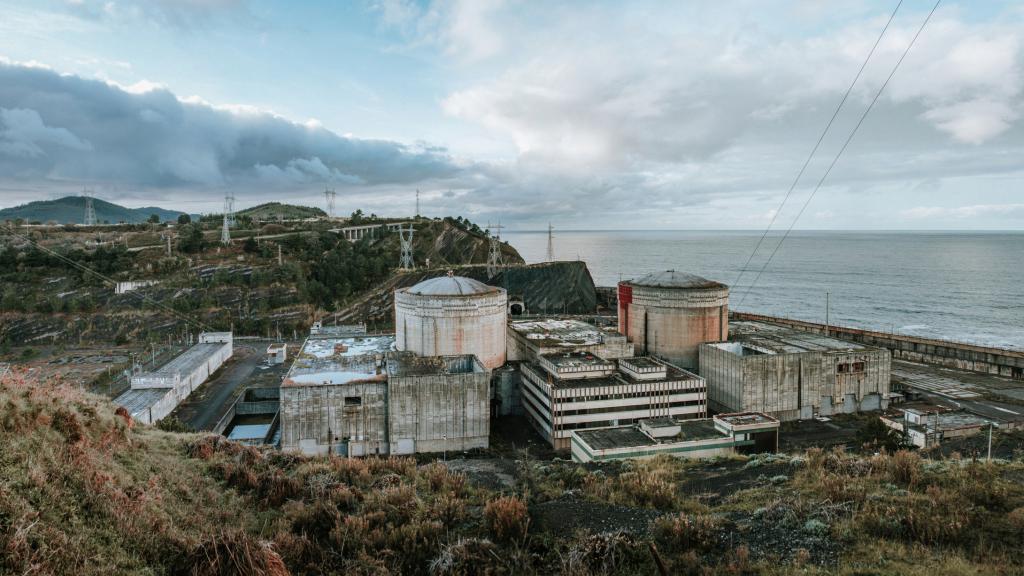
(184, 219)
(190, 239)
(876, 435)
(154, 219)
(250, 245)
(356, 218)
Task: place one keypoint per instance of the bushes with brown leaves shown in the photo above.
(507, 519)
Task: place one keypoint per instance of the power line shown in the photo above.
(817, 144)
(841, 150)
(10, 230)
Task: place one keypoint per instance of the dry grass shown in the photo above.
(83, 490)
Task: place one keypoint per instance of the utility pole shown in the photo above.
(279, 260)
(168, 243)
(494, 255)
(90, 212)
(229, 218)
(551, 243)
(990, 441)
(329, 195)
(417, 204)
(826, 313)
(406, 262)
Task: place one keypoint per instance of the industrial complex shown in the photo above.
(674, 377)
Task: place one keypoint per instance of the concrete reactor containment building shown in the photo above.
(669, 314)
(452, 315)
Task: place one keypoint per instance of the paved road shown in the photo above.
(205, 406)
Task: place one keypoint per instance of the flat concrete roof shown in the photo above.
(188, 361)
(401, 364)
(609, 438)
(561, 332)
(348, 346)
(631, 436)
(577, 359)
(345, 370)
(746, 418)
(137, 401)
(765, 338)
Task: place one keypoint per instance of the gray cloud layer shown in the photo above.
(65, 129)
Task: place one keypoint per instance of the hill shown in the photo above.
(84, 490)
(245, 287)
(278, 211)
(71, 210)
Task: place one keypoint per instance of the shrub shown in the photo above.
(235, 553)
(904, 468)
(685, 532)
(507, 519)
(599, 554)
(66, 422)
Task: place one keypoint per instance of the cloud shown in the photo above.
(22, 133)
(68, 131)
(965, 212)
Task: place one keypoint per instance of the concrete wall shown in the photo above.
(319, 420)
(794, 386)
(452, 325)
(671, 322)
(439, 412)
(1008, 363)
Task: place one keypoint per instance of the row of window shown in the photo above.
(629, 408)
(849, 367)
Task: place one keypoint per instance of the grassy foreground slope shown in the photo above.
(84, 491)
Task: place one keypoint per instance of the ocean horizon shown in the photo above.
(963, 285)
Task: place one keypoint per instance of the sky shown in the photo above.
(588, 115)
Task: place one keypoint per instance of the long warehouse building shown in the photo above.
(153, 395)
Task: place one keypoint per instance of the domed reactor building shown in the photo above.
(452, 315)
(669, 314)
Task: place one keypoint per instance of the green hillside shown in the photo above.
(71, 210)
(279, 211)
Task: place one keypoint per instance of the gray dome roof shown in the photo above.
(451, 286)
(673, 279)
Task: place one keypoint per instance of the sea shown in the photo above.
(961, 286)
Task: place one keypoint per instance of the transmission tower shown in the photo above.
(229, 218)
(90, 213)
(329, 195)
(551, 243)
(494, 255)
(406, 262)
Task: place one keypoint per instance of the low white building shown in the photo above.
(154, 395)
(723, 435)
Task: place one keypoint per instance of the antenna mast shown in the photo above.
(417, 204)
(494, 255)
(329, 195)
(90, 212)
(229, 218)
(406, 262)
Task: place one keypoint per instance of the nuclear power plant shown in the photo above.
(670, 314)
(664, 376)
(452, 315)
